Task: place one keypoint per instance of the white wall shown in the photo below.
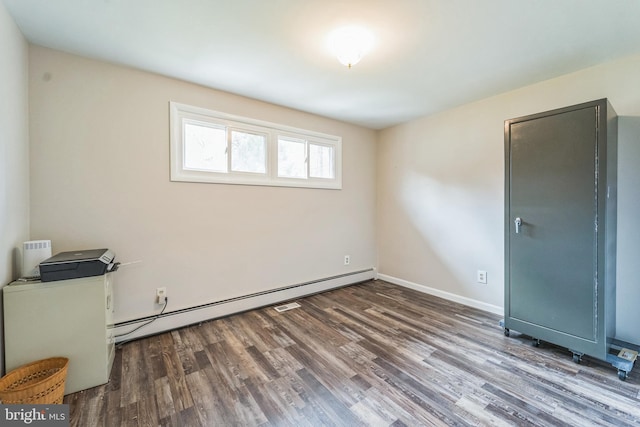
(14, 152)
(100, 178)
(441, 189)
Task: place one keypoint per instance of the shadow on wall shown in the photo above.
(628, 267)
(425, 264)
(15, 273)
(16, 264)
(449, 189)
(446, 216)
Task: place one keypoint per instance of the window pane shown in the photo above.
(248, 152)
(321, 163)
(291, 159)
(205, 148)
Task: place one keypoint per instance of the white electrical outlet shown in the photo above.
(347, 260)
(482, 276)
(161, 295)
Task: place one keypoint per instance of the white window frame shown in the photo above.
(179, 113)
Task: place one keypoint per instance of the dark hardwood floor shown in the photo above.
(370, 354)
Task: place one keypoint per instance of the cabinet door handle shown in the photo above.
(518, 224)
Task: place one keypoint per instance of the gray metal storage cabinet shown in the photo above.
(560, 227)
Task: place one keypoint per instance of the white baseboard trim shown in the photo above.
(443, 294)
(178, 318)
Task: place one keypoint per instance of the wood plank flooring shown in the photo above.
(372, 354)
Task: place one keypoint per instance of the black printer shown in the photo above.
(77, 264)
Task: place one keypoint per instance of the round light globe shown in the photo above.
(350, 44)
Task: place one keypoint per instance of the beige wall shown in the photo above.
(440, 188)
(100, 178)
(14, 152)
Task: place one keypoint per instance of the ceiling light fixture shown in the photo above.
(350, 44)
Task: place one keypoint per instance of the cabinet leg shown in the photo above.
(577, 357)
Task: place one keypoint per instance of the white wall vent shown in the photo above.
(287, 307)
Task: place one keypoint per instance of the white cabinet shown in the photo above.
(69, 318)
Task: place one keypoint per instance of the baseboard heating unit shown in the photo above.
(172, 319)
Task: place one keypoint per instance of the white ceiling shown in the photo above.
(429, 55)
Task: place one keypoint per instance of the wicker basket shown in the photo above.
(40, 382)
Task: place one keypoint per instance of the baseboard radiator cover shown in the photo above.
(174, 319)
(443, 294)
